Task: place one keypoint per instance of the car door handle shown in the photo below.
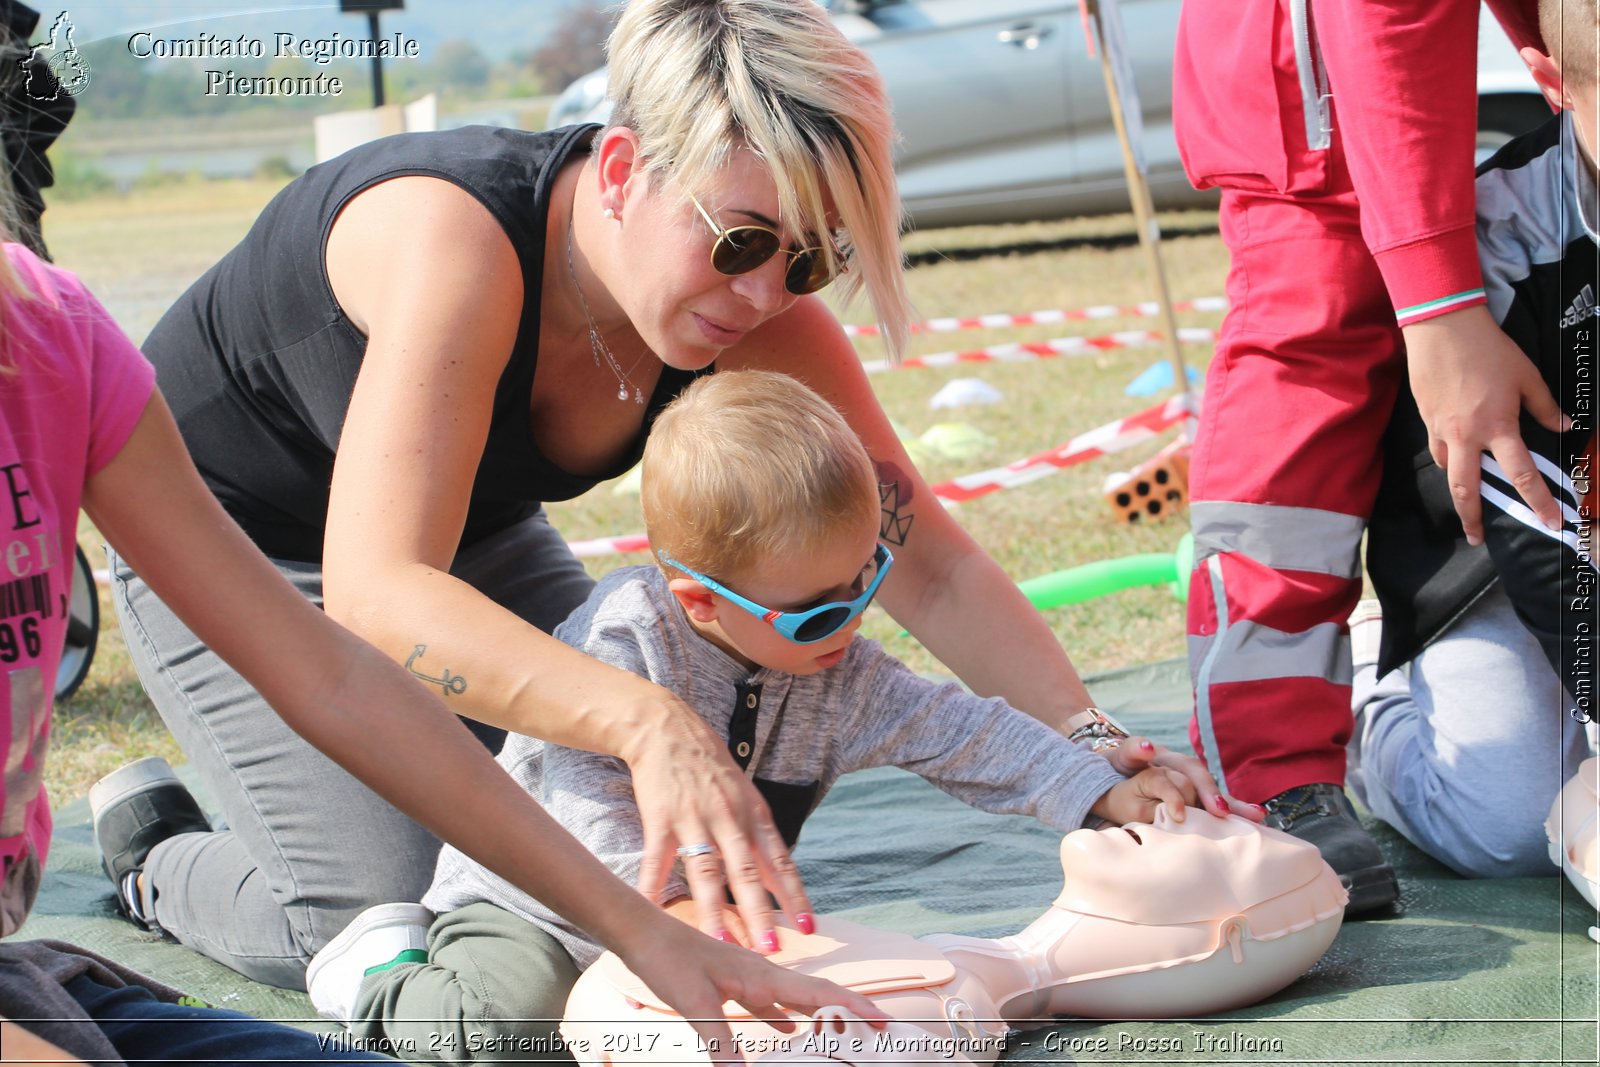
(1024, 35)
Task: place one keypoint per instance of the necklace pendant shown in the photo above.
(638, 395)
(622, 391)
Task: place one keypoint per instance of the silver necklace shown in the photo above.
(597, 344)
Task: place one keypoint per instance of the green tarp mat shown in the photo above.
(1471, 972)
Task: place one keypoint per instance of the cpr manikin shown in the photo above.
(1155, 919)
(1574, 832)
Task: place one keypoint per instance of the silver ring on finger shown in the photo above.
(704, 848)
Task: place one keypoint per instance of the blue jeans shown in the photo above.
(1464, 749)
(146, 1030)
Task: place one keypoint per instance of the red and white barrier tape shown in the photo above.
(1112, 437)
(610, 546)
(1025, 351)
(1035, 318)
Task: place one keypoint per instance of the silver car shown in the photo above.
(1003, 113)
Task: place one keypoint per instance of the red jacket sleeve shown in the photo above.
(1402, 76)
(1404, 80)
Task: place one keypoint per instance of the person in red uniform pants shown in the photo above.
(1341, 134)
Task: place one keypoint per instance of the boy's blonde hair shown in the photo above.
(698, 79)
(1570, 29)
(749, 465)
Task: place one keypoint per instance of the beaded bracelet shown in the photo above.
(1099, 729)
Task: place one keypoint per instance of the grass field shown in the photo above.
(139, 252)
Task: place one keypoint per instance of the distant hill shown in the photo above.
(497, 27)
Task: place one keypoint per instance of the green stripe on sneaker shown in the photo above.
(410, 955)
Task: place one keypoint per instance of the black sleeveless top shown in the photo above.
(258, 362)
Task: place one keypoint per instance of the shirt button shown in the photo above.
(750, 701)
(743, 750)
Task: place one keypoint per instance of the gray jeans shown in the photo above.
(307, 846)
(1464, 749)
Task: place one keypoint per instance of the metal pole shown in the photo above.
(1143, 207)
(377, 60)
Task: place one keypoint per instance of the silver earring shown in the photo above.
(608, 214)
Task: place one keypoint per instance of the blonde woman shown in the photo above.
(424, 340)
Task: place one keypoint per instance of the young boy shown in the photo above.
(766, 651)
(1464, 752)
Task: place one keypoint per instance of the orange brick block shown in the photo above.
(1157, 489)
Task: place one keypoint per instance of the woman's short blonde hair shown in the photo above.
(747, 466)
(698, 79)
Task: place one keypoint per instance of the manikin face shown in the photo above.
(1167, 873)
(686, 310)
(838, 571)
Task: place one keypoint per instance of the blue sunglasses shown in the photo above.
(801, 627)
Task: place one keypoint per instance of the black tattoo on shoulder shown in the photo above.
(894, 495)
(450, 683)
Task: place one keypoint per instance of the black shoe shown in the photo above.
(1322, 815)
(135, 808)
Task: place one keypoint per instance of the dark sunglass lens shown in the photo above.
(743, 249)
(808, 272)
(822, 624)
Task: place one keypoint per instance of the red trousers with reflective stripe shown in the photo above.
(1296, 402)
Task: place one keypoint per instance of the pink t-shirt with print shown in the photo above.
(72, 392)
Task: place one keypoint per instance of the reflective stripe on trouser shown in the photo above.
(1284, 471)
(1273, 585)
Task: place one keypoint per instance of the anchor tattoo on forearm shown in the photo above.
(450, 683)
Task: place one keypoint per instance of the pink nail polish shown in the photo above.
(1146, 746)
(723, 935)
(1221, 802)
(634, 1004)
(805, 922)
(769, 940)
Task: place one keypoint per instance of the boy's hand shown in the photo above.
(1138, 753)
(1135, 799)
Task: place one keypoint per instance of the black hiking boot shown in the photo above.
(1322, 815)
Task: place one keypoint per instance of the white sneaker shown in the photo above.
(375, 940)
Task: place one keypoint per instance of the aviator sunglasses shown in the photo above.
(741, 249)
(801, 627)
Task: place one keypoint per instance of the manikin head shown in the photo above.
(1573, 829)
(1166, 873)
(754, 486)
(1202, 916)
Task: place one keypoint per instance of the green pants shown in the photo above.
(493, 991)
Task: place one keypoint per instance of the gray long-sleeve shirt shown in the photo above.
(795, 735)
